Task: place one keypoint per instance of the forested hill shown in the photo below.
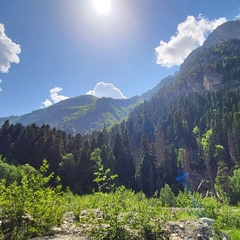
(79, 114)
(191, 124)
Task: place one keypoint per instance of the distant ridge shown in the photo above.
(79, 114)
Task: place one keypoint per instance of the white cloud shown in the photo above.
(237, 17)
(54, 97)
(0, 87)
(47, 103)
(106, 90)
(190, 34)
(9, 51)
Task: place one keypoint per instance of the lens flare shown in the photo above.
(102, 6)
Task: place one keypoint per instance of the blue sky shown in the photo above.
(54, 49)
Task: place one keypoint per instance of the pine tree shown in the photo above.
(147, 173)
(124, 165)
(222, 181)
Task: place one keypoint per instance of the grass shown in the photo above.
(234, 234)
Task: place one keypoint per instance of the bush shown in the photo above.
(184, 199)
(30, 207)
(167, 196)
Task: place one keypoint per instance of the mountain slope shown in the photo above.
(200, 70)
(80, 114)
(212, 68)
(193, 66)
(194, 123)
(163, 83)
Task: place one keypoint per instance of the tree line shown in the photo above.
(195, 132)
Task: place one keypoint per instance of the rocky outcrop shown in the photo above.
(203, 229)
(210, 81)
(67, 230)
(192, 230)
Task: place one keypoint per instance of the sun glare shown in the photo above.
(102, 6)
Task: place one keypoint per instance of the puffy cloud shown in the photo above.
(190, 34)
(0, 87)
(47, 103)
(9, 51)
(103, 89)
(54, 97)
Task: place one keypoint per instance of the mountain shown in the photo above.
(215, 64)
(80, 114)
(228, 30)
(212, 68)
(193, 124)
(206, 68)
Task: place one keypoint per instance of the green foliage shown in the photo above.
(228, 217)
(29, 207)
(12, 173)
(219, 152)
(222, 182)
(184, 199)
(211, 207)
(196, 130)
(123, 214)
(206, 140)
(103, 176)
(235, 186)
(234, 234)
(167, 196)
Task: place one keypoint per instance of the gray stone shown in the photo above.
(207, 221)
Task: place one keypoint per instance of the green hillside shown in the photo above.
(80, 114)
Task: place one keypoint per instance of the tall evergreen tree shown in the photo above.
(147, 172)
(123, 166)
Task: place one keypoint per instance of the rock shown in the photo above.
(208, 221)
(191, 230)
(66, 231)
(175, 237)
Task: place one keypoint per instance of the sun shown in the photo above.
(102, 6)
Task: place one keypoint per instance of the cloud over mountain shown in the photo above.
(9, 51)
(103, 89)
(190, 34)
(54, 97)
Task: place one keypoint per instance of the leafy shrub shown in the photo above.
(184, 199)
(211, 207)
(30, 207)
(228, 218)
(167, 196)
